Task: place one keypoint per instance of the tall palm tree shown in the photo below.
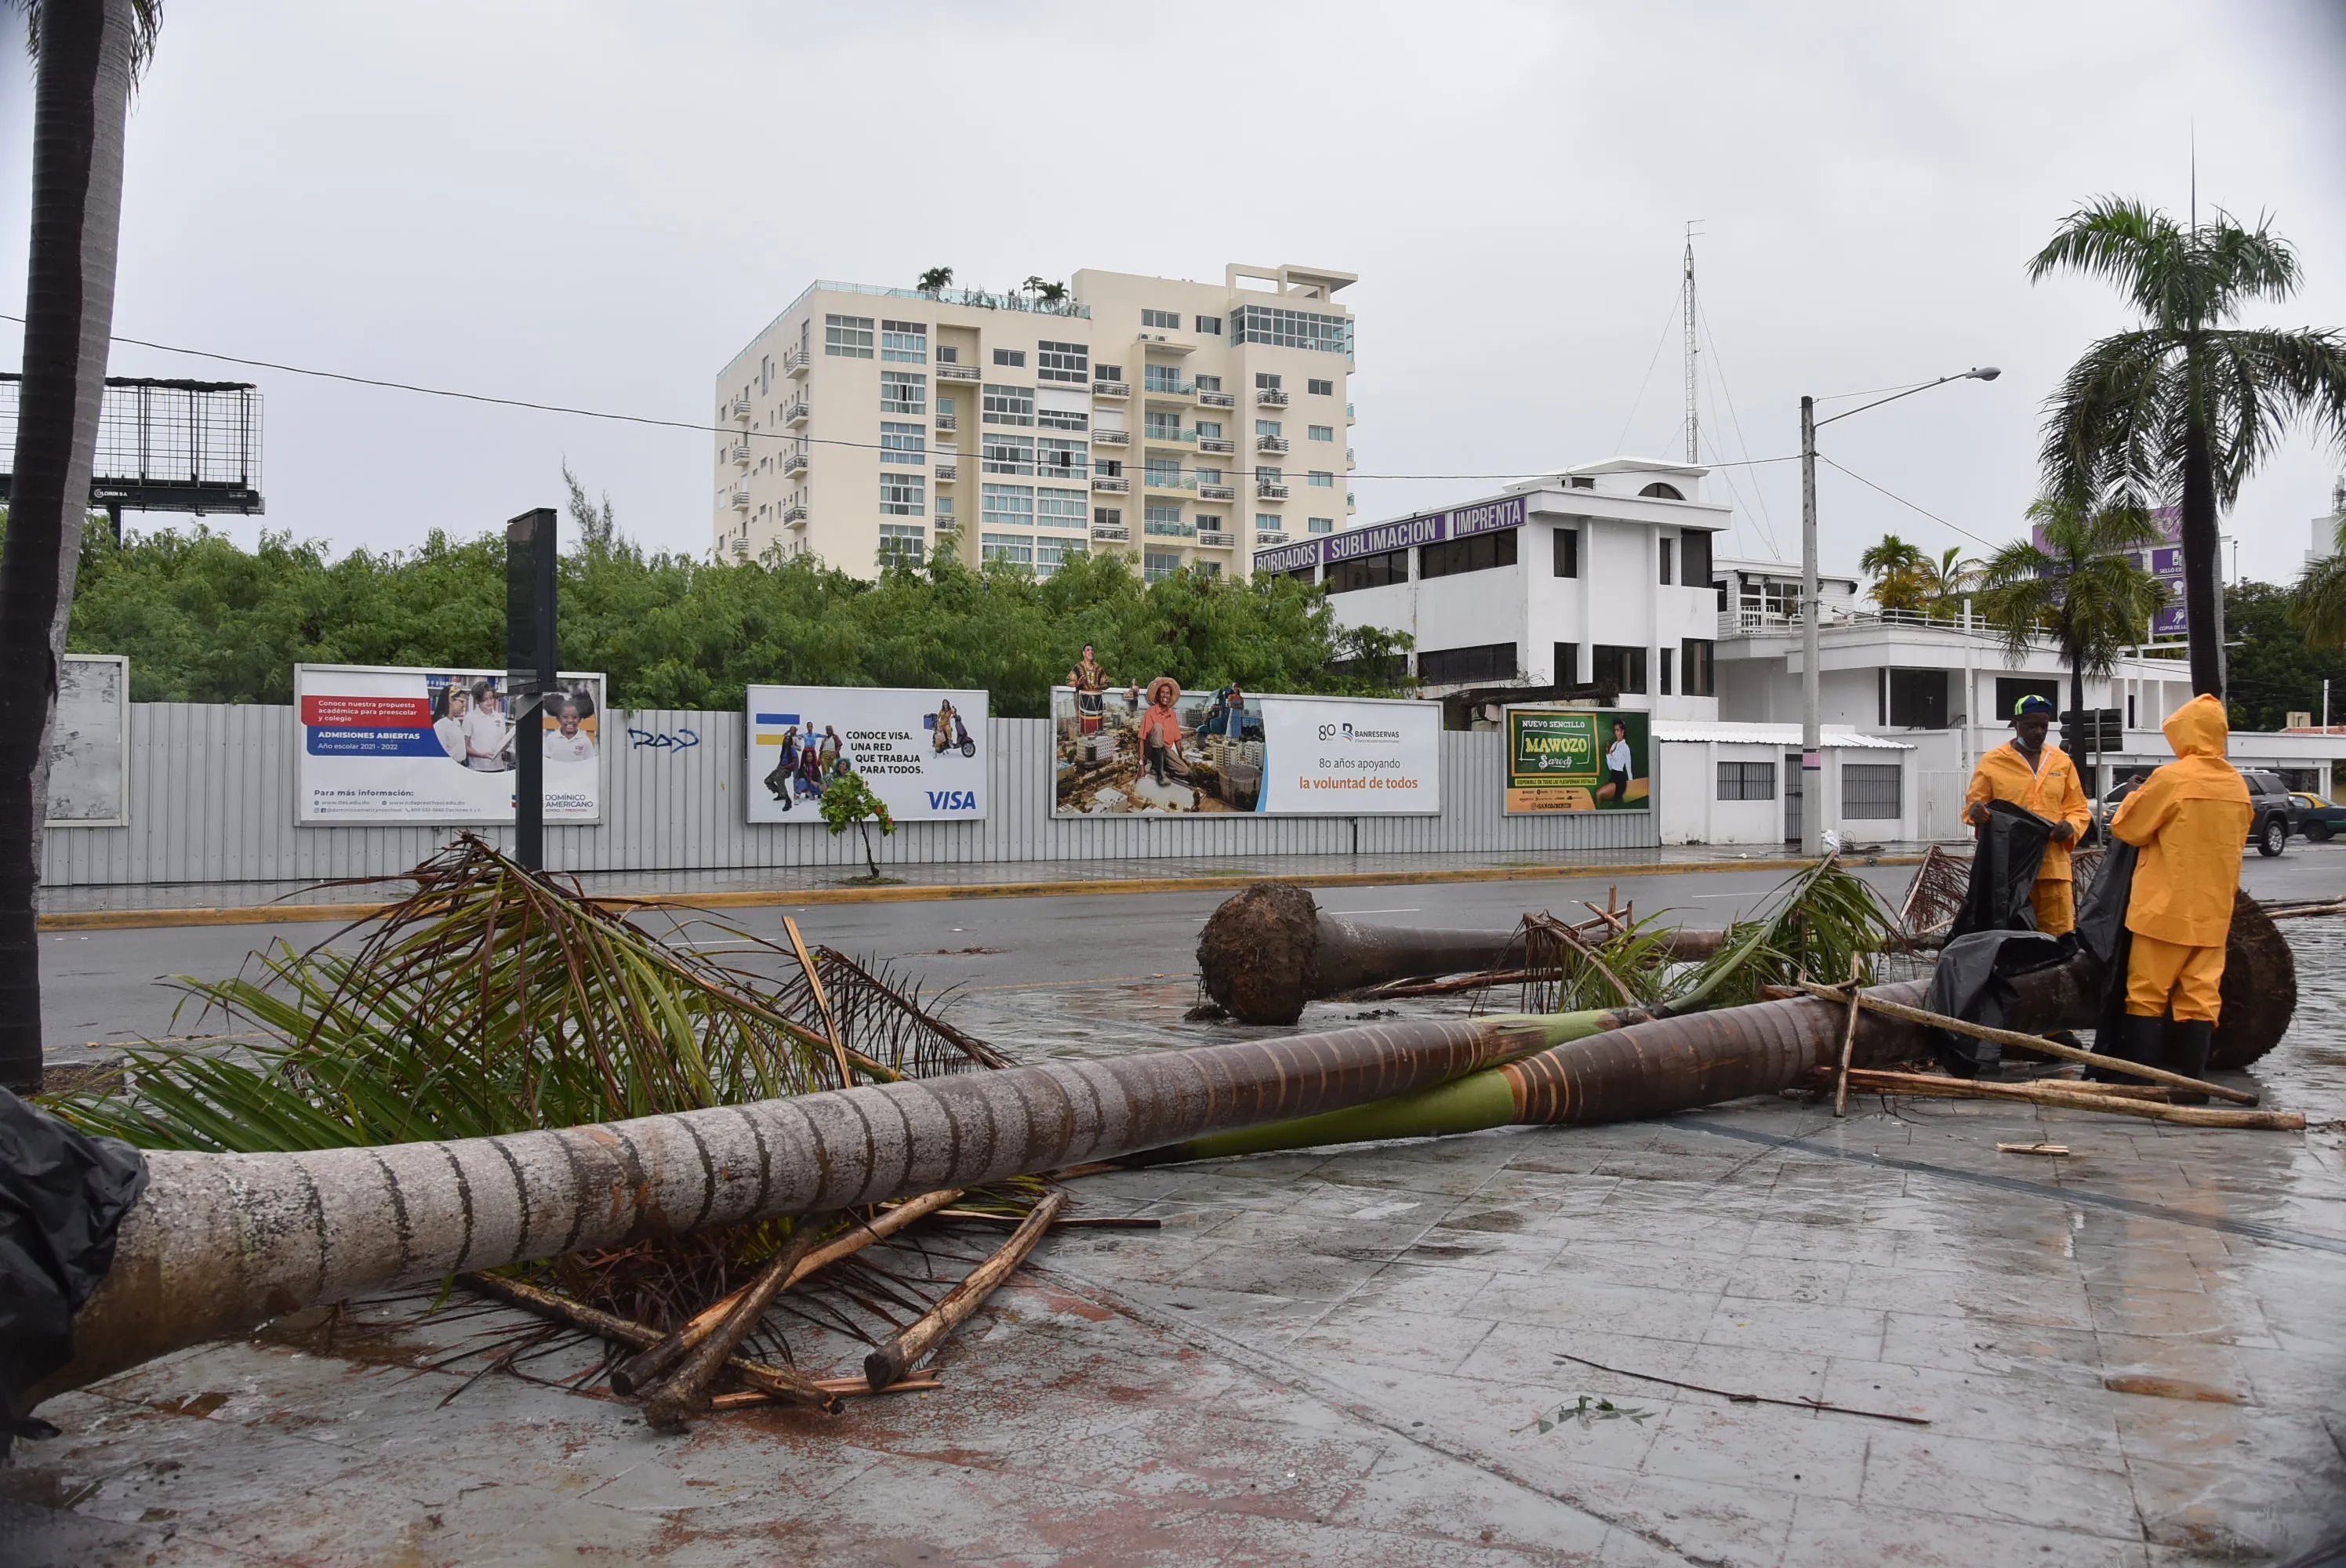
(1896, 567)
(2184, 406)
(2082, 586)
(86, 52)
(1946, 580)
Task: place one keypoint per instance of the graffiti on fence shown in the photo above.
(662, 741)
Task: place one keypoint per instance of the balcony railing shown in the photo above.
(960, 373)
(793, 515)
(1269, 536)
(948, 472)
(1271, 397)
(1351, 458)
(794, 461)
(1218, 443)
(1156, 387)
(1158, 435)
(948, 523)
(741, 453)
(1157, 479)
(739, 409)
(1112, 437)
(1270, 443)
(1350, 417)
(1216, 540)
(1219, 400)
(739, 500)
(794, 412)
(1266, 491)
(1215, 491)
(1114, 485)
(948, 421)
(794, 361)
(1111, 533)
(1111, 389)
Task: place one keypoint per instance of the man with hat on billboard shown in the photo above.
(2038, 775)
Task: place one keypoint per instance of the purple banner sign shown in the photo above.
(1425, 528)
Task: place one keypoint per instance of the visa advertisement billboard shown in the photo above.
(920, 751)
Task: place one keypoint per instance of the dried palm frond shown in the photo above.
(1570, 968)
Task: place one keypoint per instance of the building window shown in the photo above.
(1166, 520)
(1050, 555)
(1161, 424)
(944, 404)
(999, 454)
(847, 337)
(1668, 550)
(1107, 516)
(1747, 780)
(1055, 456)
(1061, 508)
(902, 494)
(1060, 418)
(1694, 560)
(1567, 552)
(1870, 791)
(1270, 476)
(944, 510)
(1698, 679)
(1475, 552)
(1063, 362)
(903, 544)
(1162, 378)
(905, 342)
(1266, 381)
(1211, 325)
(1014, 358)
(1567, 664)
(904, 392)
(1007, 506)
(1209, 476)
(1320, 525)
(1320, 431)
(1161, 319)
(1018, 549)
(1108, 467)
(906, 444)
(1661, 492)
(1319, 388)
(948, 356)
(1367, 572)
(1209, 429)
(1210, 384)
(1107, 373)
(1164, 473)
(1485, 661)
(1917, 699)
(1622, 668)
(1007, 405)
(1324, 479)
(1157, 565)
(1291, 329)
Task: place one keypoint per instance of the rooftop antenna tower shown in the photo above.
(1693, 419)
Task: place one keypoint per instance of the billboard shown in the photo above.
(919, 750)
(89, 747)
(2164, 560)
(1425, 528)
(1161, 750)
(385, 745)
(1577, 759)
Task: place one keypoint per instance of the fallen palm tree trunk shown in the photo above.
(1270, 949)
(891, 1361)
(219, 1243)
(2068, 1097)
(1649, 1068)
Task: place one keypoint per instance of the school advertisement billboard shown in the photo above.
(1158, 751)
(380, 745)
(1577, 759)
(920, 752)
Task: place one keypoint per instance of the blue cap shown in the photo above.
(2031, 705)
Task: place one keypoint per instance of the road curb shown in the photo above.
(932, 892)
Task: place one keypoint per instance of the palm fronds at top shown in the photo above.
(1821, 922)
(495, 1000)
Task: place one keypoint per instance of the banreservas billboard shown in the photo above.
(1577, 759)
(1158, 750)
(385, 745)
(919, 750)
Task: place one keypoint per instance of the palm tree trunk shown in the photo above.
(81, 98)
(219, 1243)
(2203, 586)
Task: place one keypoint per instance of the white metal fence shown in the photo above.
(211, 800)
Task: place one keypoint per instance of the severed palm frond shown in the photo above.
(1820, 921)
(1567, 969)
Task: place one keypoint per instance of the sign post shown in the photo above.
(529, 670)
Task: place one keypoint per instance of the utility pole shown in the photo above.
(1693, 419)
(1812, 764)
(529, 671)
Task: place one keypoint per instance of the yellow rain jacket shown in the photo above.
(2190, 819)
(2050, 790)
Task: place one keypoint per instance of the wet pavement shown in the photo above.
(2133, 1354)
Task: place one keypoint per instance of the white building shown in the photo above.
(1597, 577)
(1184, 424)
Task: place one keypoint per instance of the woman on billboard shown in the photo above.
(1620, 767)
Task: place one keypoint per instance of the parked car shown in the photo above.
(2276, 811)
(2317, 818)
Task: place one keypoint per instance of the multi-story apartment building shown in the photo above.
(1181, 423)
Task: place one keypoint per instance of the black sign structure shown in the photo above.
(165, 447)
(529, 670)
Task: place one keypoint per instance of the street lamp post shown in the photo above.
(1812, 802)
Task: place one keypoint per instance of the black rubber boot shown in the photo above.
(2140, 1040)
(2187, 1044)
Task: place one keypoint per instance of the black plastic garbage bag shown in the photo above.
(1973, 981)
(62, 1194)
(2102, 932)
(2003, 872)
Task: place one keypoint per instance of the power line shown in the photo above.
(1640, 401)
(1718, 376)
(1902, 501)
(713, 429)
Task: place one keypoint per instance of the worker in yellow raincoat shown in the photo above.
(2032, 772)
(2189, 820)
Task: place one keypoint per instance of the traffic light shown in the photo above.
(2092, 729)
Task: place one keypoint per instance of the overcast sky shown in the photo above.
(598, 204)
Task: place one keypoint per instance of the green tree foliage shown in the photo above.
(204, 620)
(2276, 668)
(2083, 587)
(848, 801)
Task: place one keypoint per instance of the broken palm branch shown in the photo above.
(2034, 1043)
(891, 1361)
(2046, 1093)
(221, 1242)
(686, 1390)
(1933, 898)
(1269, 949)
(1821, 920)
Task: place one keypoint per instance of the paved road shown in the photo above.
(101, 988)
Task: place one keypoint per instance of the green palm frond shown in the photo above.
(1820, 922)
